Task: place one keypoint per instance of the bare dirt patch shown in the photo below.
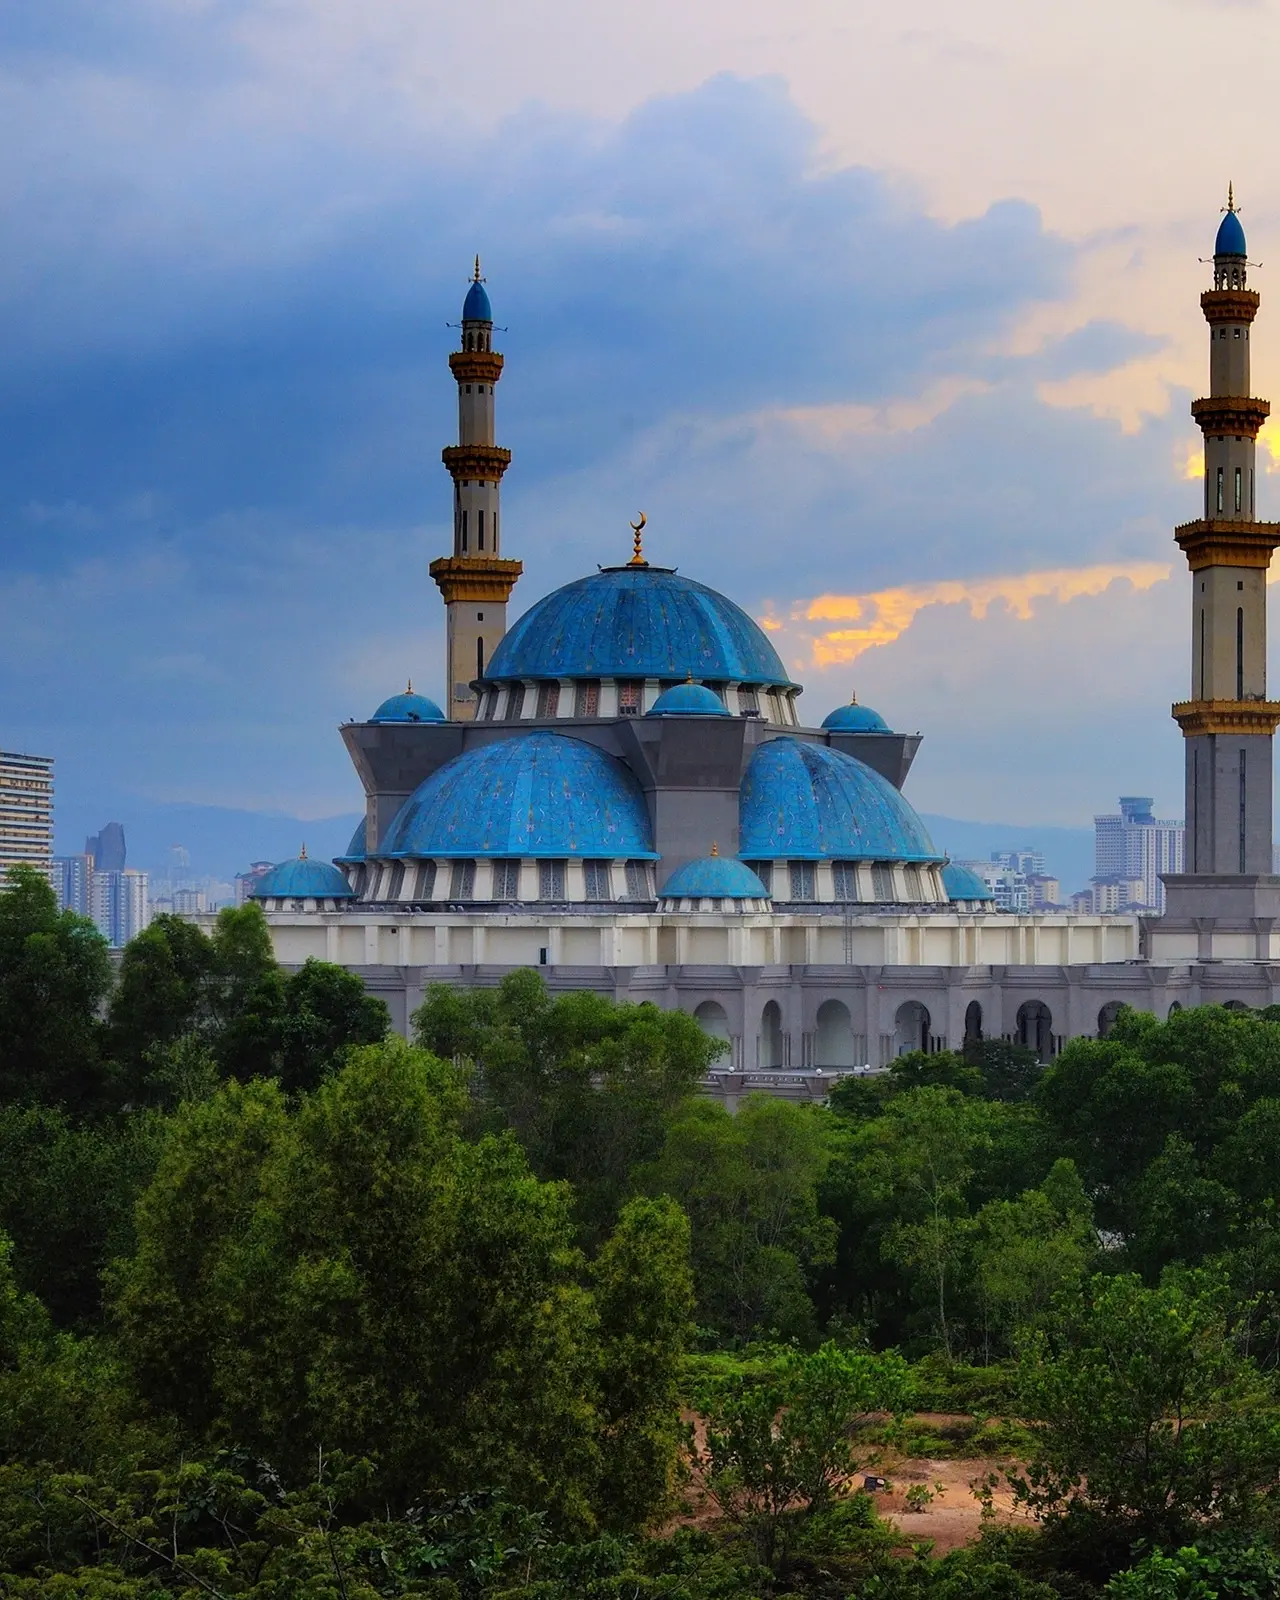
(954, 1517)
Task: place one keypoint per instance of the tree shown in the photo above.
(55, 971)
(585, 1084)
(161, 994)
(643, 1289)
(778, 1440)
(1149, 1421)
(749, 1184)
(347, 1271)
(325, 1013)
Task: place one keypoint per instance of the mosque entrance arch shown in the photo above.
(833, 1040)
(771, 1036)
(911, 1027)
(1035, 1028)
(973, 1023)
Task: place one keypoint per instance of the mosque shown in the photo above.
(621, 790)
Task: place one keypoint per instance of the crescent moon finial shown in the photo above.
(637, 559)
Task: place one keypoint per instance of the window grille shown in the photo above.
(802, 880)
(462, 880)
(551, 880)
(506, 880)
(597, 874)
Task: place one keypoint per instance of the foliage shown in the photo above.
(1151, 1424)
(1217, 1571)
(585, 1084)
(749, 1185)
(778, 1444)
(54, 975)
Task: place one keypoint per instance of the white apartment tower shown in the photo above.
(26, 812)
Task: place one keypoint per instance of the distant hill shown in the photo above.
(1068, 852)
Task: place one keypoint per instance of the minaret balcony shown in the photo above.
(1229, 415)
(1229, 305)
(466, 461)
(477, 578)
(476, 366)
(1225, 542)
(1198, 718)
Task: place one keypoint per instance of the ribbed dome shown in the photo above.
(714, 878)
(476, 307)
(408, 707)
(1230, 240)
(532, 794)
(688, 700)
(355, 850)
(813, 803)
(637, 622)
(854, 718)
(962, 883)
(302, 879)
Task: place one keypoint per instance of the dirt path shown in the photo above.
(954, 1517)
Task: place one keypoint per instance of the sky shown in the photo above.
(886, 317)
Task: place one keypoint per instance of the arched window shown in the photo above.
(1035, 1028)
(771, 1035)
(833, 1041)
(973, 1023)
(911, 1027)
(1107, 1017)
(712, 1018)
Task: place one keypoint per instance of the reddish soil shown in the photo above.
(954, 1517)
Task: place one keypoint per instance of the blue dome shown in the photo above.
(814, 803)
(714, 878)
(1230, 240)
(476, 307)
(302, 879)
(962, 883)
(355, 850)
(408, 707)
(532, 794)
(688, 700)
(636, 622)
(854, 718)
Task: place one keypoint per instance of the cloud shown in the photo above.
(885, 615)
(224, 391)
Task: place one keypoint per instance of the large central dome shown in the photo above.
(637, 622)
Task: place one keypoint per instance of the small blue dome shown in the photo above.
(962, 883)
(636, 622)
(1230, 240)
(355, 850)
(530, 794)
(854, 718)
(302, 879)
(688, 700)
(714, 878)
(813, 803)
(476, 307)
(408, 707)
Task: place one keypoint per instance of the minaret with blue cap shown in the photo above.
(1228, 723)
(475, 580)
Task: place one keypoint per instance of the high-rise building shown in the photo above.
(107, 848)
(475, 582)
(247, 882)
(190, 902)
(73, 883)
(121, 907)
(26, 812)
(1133, 845)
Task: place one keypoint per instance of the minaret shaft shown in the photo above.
(475, 581)
(1228, 722)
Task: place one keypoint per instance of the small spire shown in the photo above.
(853, 699)
(689, 679)
(477, 278)
(715, 848)
(1231, 195)
(637, 559)
(302, 854)
(408, 686)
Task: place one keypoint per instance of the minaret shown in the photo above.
(475, 582)
(1228, 723)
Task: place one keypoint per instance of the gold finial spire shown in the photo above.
(408, 686)
(853, 699)
(1231, 195)
(715, 848)
(476, 278)
(302, 854)
(637, 559)
(689, 679)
